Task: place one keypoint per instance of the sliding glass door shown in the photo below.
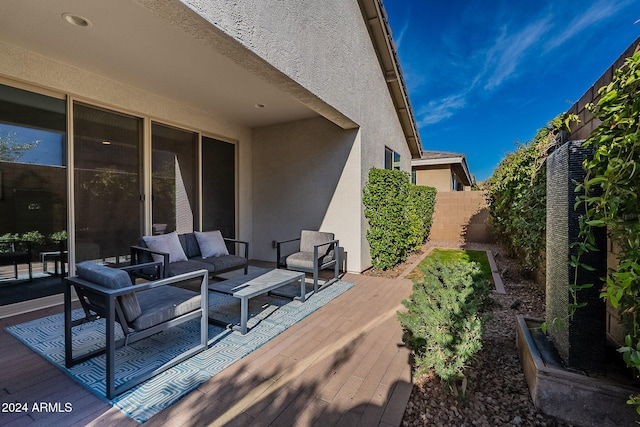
(174, 175)
(191, 179)
(108, 202)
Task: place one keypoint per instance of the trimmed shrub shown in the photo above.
(443, 322)
(421, 204)
(399, 215)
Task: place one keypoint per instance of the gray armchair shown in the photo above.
(318, 250)
(141, 310)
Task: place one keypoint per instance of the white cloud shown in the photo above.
(598, 12)
(509, 51)
(440, 109)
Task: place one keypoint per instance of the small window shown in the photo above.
(391, 159)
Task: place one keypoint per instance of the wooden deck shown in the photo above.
(344, 365)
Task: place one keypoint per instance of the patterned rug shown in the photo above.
(269, 316)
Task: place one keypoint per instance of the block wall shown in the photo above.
(588, 123)
(461, 216)
(582, 130)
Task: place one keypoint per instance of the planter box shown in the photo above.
(570, 396)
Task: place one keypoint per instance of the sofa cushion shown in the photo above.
(168, 243)
(111, 278)
(164, 303)
(211, 244)
(224, 263)
(180, 267)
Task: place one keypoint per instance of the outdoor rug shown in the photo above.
(269, 316)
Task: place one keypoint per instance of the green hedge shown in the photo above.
(517, 193)
(399, 215)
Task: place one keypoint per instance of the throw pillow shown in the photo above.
(167, 243)
(211, 243)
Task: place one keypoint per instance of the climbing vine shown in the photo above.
(611, 196)
(517, 195)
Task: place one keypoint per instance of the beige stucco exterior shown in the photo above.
(305, 166)
(439, 177)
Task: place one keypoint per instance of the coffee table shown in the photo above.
(249, 286)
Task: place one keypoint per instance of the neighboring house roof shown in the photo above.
(457, 161)
(380, 30)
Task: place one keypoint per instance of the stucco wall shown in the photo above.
(326, 48)
(303, 178)
(438, 177)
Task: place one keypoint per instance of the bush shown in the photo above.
(518, 195)
(421, 204)
(399, 215)
(443, 323)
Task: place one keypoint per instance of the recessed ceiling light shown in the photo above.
(259, 105)
(105, 142)
(76, 20)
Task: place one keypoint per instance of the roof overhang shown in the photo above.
(166, 49)
(378, 25)
(457, 163)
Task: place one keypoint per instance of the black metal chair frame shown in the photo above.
(335, 262)
(101, 302)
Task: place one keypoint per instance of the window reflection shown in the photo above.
(33, 194)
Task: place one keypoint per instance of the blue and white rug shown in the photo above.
(269, 316)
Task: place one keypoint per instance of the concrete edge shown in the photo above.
(497, 280)
(412, 267)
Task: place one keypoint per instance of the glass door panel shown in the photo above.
(174, 179)
(33, 193)
(218, 187)
(108, 208)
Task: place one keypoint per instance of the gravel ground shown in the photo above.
(497, 392)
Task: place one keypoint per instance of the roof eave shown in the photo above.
(380, 32)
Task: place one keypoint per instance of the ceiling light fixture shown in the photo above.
(259, 105)
(76, 20)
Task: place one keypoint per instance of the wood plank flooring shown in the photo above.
(344, 365)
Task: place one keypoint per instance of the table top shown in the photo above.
(252, 284)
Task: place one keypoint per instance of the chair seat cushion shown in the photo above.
(164, 303)
(304, 260)
(224, 263)
(111, 278)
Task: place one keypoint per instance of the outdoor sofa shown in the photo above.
(182, 253)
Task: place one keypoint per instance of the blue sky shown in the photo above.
(483, 74)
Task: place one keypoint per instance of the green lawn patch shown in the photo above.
(457, 254)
